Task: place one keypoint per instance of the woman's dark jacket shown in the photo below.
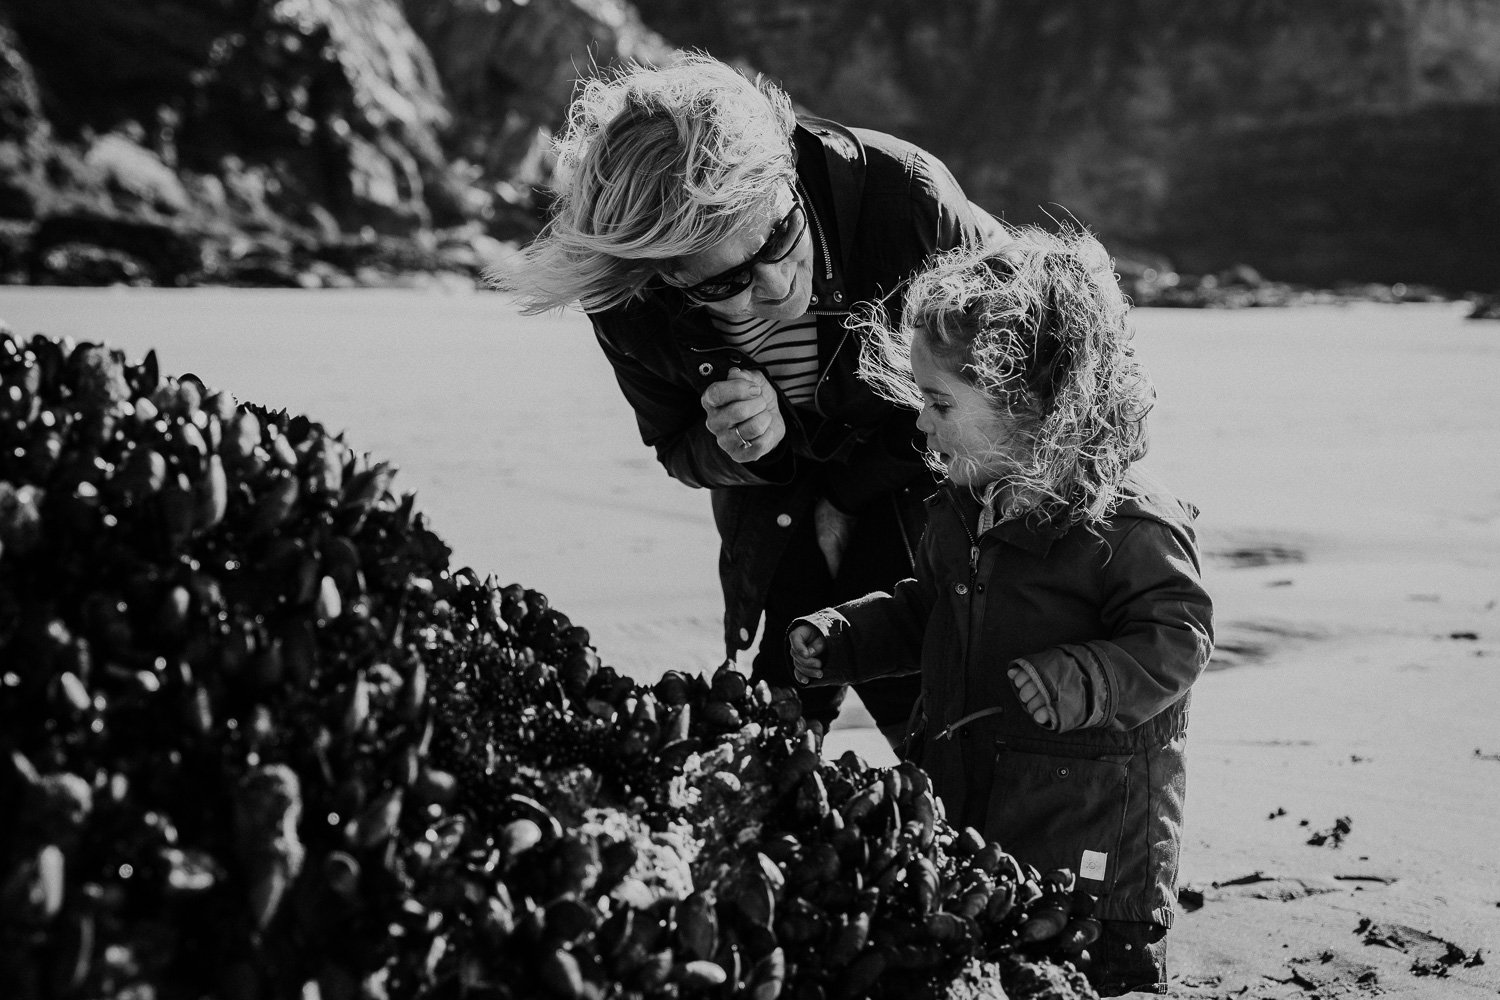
(881, 208)
(1118, 627)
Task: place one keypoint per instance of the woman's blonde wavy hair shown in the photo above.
(654, 164)
(1036, 324)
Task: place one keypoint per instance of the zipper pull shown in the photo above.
(973, 560)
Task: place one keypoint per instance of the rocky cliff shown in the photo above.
(280, 141)
(1321, 142)
(332, 141)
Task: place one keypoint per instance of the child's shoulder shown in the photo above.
(1146, 497)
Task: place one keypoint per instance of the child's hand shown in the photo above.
(1033, 697)
(807, 646)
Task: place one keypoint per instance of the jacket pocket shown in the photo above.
(1052, 811)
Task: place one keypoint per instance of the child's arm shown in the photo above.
(807, 645)
(1160, 634)
(878, 635)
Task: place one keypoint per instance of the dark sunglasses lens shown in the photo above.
(784, 240)
(722, 288)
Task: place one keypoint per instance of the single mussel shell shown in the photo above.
(755, 898)
(801, 922)
(50, 357)
(700, 974)
(499, 921)
(767, 977)
(672, 688)
(144, 377)
(949, 927)
(342, 873)
(526, 807)
(568, 918)
(71, 944)
(697, 925)
(519, 836)
(851, 934)
(190, 872)
(561, 975)
(755, 940)
(728, 683)
(916, 956)
(575, 863)
(614, 932)
(864, 972)
(379, 820)
(721, 715)
(616, 860)
(675, 754)
(435, 786)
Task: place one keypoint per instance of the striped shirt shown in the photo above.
(788, 349)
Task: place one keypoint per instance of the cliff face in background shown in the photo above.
(1320, 142)
(331, 141)
(510, 70)
(280, 141)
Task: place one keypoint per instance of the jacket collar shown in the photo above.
(831, 167)
(1024, 533)
(1144, 498)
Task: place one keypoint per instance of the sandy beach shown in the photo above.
(1344, 754)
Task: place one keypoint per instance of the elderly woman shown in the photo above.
(721, 245)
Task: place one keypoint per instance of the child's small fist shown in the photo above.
(807, 645)
(1033, 697)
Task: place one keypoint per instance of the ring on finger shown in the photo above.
(741, 436)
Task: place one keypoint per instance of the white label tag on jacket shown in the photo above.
(1093, 865)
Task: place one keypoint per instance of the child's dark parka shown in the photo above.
(1117, 626)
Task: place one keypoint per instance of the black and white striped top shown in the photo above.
(787, 348)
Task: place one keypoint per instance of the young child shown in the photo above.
(1056, 617)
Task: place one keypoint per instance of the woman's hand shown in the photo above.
(743, 415)
(832, 527)
(807, 647)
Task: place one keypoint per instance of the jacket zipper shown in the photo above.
(827, 276)
(969, 644)
(973, 549)
(817, 231)
(827, 369)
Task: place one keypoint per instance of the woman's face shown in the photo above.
(974, 444)
(779, 290)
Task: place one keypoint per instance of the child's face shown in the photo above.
(974, 443)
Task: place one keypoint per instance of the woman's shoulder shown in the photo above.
(885, 163)
(836, 139)
(895, 166)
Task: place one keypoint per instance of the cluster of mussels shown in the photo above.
(260, 741)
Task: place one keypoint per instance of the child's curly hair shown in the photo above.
(1037, 324)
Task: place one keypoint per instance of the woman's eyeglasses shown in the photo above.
(783, 239)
